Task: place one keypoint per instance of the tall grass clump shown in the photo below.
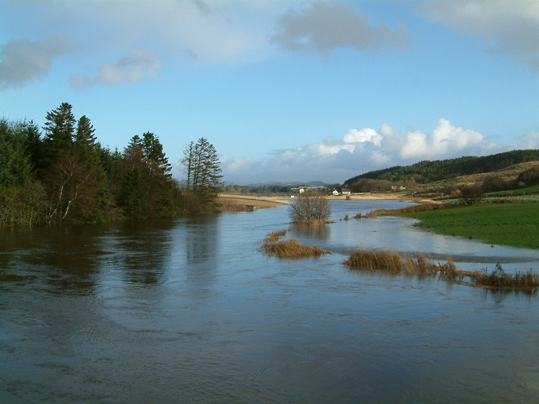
(372, 260)
(393, 262)
(289, 248)
(419, 265)
(498, 279)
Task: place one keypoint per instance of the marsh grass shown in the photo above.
(421, 266)
(275, 236)
(225, 206)
(409, 209)
(289, 248)
(393, 262)
(498, 279)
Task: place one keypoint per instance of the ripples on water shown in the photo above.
(189, 311)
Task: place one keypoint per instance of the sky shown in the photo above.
(286, 91)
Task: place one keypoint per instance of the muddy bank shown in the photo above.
(246, 203)
(229, 202)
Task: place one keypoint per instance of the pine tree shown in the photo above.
(59, 131)
(203, 171)
(16, 169)
(85, 142)
(147, 183)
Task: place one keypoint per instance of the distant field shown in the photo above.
(512, 224)
(532, 189)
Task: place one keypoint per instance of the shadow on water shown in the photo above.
(312, 232)
(63, 259)
(139, 250)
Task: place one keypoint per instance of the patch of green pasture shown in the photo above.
(512, 224)
(527, 190)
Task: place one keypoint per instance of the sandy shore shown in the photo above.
(259, 202)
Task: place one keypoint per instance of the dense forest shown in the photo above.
(61, 173)
(430, 171)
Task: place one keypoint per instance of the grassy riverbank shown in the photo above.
(512, 224)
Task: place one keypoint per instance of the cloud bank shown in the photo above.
(509, 27)
(358, 151)
(23, 61)
(322, 27)
(104, 32)
(236, 32)
(129, 69)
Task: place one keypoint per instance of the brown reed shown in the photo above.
(290, 248)
(408, 209)
(419, 265)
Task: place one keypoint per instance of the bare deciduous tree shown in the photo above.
(309, 208)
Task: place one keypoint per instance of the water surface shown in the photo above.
(190, 311)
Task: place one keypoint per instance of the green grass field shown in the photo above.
(527, 190)
(512, 224)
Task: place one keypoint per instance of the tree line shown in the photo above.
(60, 173)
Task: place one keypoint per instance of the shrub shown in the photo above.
(309, 208)
(471, 195)
(529, 177)
(494, 183)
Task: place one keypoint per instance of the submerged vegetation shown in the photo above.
(289, 248)
(395, 263)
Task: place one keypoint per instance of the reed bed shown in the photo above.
(289, 248)
(275, 236)
(393, 262)
(498, 279)
(409, 209)
(419, 265)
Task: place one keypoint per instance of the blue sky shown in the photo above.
(285, 90)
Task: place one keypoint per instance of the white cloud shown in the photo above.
(510, 27)
(129, 69)
(444, 140)
(325, 26)
(529, 141)
(363, 135)
(23, 61)
(200, 31)
(335, 160)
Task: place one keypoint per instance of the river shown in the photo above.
(189, 311)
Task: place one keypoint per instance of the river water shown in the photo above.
(190, 312)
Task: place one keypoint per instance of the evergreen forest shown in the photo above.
(60, 173)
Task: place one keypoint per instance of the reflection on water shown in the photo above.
(189, 311)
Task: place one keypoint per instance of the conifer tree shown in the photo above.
(203, 171)
(85, 142)
(59, 131)
(147, 187)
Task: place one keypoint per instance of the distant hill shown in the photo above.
(286, 184)
(431, 171)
